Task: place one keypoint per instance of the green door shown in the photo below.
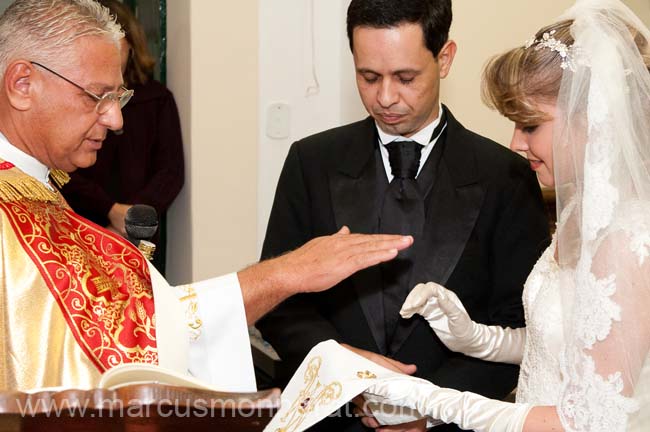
(152, 14)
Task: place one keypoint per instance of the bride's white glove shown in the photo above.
(468, 410)
(451, 323)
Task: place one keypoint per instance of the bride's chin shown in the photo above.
(546, 180)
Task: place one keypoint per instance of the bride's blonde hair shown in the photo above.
(515, 81)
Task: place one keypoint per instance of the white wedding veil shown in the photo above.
(601, 151)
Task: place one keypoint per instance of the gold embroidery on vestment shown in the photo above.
(76, 257)
(313, 395)
(194, 321)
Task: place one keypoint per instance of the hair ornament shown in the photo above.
(548, 41)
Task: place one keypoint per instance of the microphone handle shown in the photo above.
(147, 248)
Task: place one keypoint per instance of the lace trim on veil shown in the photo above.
(603, 186)
(593, 403)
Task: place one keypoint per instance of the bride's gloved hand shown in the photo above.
(468, 410)
(451, 323)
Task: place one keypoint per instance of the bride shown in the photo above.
(579, 94)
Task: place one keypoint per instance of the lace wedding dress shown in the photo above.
(540, 378)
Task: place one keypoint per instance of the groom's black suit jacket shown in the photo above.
(485, 228)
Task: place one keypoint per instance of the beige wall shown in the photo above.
(485, 28)
(212, 70)
(179, 68)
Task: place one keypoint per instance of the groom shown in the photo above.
(474, 208)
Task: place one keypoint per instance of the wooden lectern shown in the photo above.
(137, 408)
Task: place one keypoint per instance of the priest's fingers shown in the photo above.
(325, 261)
(342, 241)
(345, 233)
(373, 250)
(347, 246)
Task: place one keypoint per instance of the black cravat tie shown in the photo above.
(403, 195)
(402, 213)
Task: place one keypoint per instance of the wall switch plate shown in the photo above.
(278, 119)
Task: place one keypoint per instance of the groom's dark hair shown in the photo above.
(433, 16)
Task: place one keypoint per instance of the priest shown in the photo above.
(75, 299)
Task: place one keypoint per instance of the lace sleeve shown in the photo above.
(607, 330)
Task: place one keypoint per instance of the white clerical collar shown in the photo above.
(24, 162)
(423, 136)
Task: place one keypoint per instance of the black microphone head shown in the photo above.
(141, 222)
(141, 214)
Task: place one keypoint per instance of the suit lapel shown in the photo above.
(353, 187)
(453, 205)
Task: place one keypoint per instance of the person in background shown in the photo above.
(143, 162)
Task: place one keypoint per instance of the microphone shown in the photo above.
(141, 223)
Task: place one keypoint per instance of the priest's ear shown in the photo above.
(18, 84)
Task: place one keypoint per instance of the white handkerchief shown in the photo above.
(329, 377)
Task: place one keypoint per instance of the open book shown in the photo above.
(143, 373)
(148, 391)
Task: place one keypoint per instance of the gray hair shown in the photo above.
(45, 30)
